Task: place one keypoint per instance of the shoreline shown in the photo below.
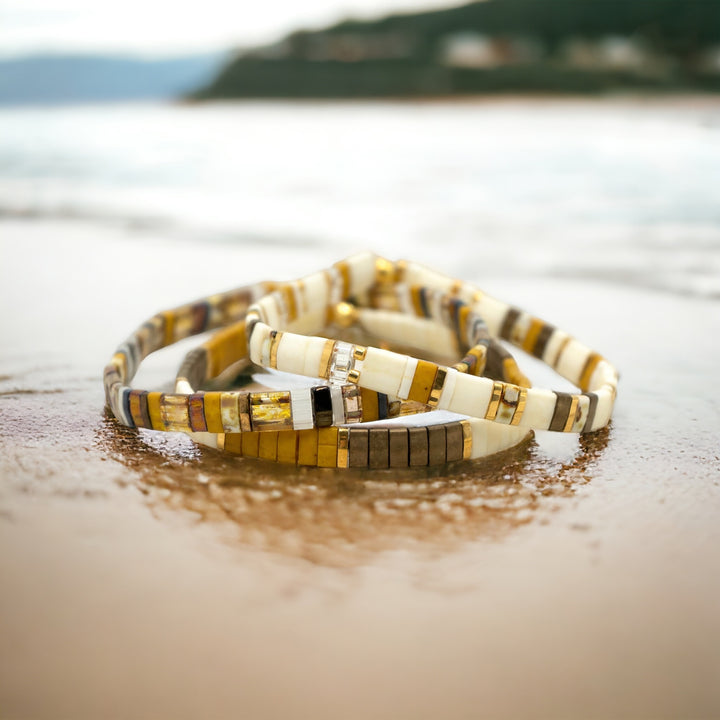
(673, 98)
(695, 98)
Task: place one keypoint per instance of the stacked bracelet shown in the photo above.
(307, 309)
(365, 383)
(441, 387)
(391, 446)
(339, 404)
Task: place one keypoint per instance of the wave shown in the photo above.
(678, 259)
(164, 226)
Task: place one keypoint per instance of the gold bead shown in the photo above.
(353, 377)
(359, 352)
(384, 271)
(345, 315)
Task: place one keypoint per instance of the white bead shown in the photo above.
(489, 438)
(312, 356)
(539, 409)
(492, 311)
(302, 409)
(362, 272)
(604, 408)
(313, 305)
(604, 374)
(471, 395)
(553, 346)
(572, 361)
(420, 275)
(259, 334)
(291, 353)
(418, 333)
(130, 350)
(265, 352)
(382, 371)
(119, 408)
(405, 301)
(335, 289)
(338, 404)
(269, 311)
(448, 388)
(582, 413)
(407, 377)
(519, 329)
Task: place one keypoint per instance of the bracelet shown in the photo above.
(440, 387)
(230, 412)
(375, 447)
(173, 412)
(325, 406)
(391, 446)
(155, 410)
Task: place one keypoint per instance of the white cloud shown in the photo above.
(166, 26)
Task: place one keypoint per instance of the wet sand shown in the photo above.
(143, 577)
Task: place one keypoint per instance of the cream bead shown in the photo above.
(291, 353)
(572, 361)
(539, 409)
(471, 395)
(383, 370)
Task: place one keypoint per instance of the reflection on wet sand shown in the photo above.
(339, 517)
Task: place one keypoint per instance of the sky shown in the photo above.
(166, 27)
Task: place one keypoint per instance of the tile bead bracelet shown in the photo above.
(409, 378)
(174, 412)
(336, 404)
(215, 411)
(389, 446)
(161, 411)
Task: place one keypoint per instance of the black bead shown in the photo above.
(322, 406)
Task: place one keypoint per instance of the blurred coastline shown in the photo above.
(575, 47)
(489, 47)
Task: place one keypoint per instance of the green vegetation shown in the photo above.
(493, 46)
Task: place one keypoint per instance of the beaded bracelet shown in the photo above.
(440, 387)
(228, 412)
(390, 446)
(156, 410)
(175, 411)
(323, 406)
(373, 447)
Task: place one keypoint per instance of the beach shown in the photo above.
(141, 576)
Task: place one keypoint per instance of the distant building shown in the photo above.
(350, 47)
(710, 60)
(612, 52)
(469, 49)
(475, 50)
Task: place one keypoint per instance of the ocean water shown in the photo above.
(621, 191)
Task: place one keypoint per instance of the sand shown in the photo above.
(143, 577)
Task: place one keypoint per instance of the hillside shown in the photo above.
(491, 46)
